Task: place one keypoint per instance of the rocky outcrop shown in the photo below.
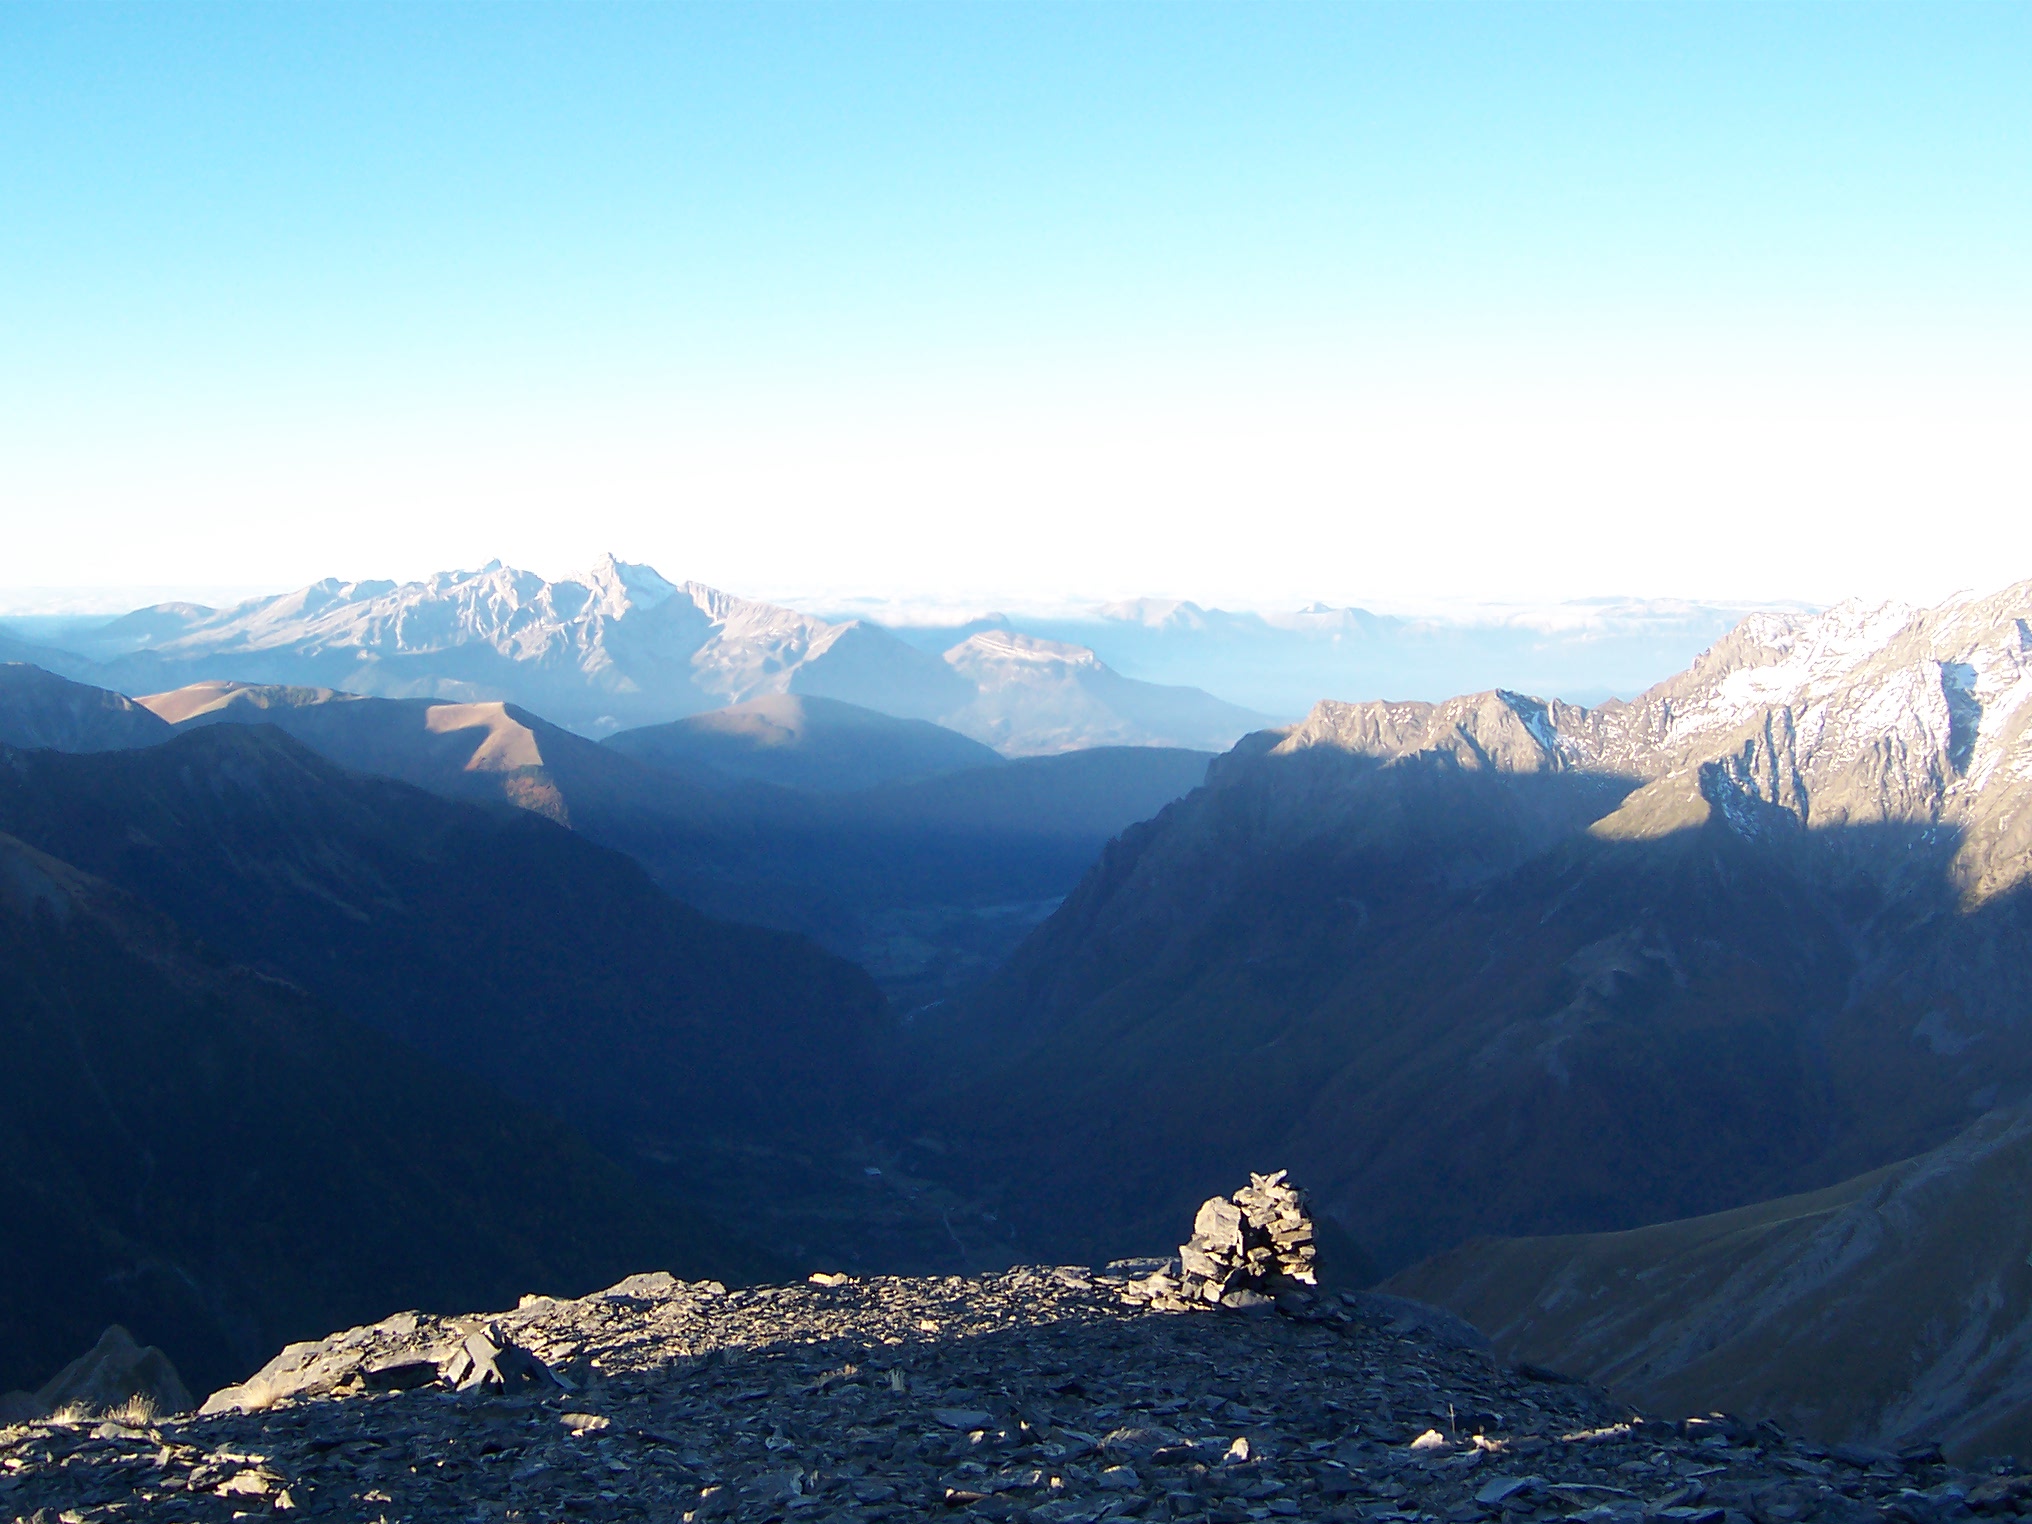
(114, 1374)
(401, 1354)
(1039, 1394)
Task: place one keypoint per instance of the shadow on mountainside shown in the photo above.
(928, 882)
(217, 1161)
(1892, 1309)
(1458, 1013)
(495, 941)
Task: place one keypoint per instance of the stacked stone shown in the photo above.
(1249, 1248)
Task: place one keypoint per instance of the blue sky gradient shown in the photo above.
(1224, 301)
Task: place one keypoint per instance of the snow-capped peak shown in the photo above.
(625, 584)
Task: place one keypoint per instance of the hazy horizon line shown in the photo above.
(909, 608)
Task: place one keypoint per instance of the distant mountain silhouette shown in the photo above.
(1281, 662)
(218, 1161)
(800, 742)
(40, 709)
(620, 647)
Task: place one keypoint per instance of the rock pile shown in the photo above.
(1246, 1251)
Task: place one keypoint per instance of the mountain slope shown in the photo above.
(216, 1161)
(494, 940)
(796, 741)
(928, 882)
(40, 709)
(1892, 1309)
(489, 753)
(931, 884)
(751, 1392)
(1507, 966)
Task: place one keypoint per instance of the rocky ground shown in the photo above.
(1035, 1394)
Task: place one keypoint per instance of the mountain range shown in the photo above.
(433, 871)
(1281, 662)
(493, 940)
(621, 647)
(1719, 989)
(803, 743)
(1503, 965)
(917, 853)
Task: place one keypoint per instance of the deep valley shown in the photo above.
(1527, 994)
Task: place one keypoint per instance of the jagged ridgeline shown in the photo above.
(1509, 966)
(913, 851)
(621, 646)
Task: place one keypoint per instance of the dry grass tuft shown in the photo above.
(137, 1412)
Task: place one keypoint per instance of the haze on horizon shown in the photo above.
(1382, 304)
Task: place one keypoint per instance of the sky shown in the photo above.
(1250, 304)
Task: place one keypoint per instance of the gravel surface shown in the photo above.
(1045, 1394)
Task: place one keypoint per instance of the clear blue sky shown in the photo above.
(1235, 302)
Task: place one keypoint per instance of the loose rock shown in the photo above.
(1246, 1251)
(1031, 1398)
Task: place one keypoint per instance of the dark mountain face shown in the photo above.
(1453, 1009)
(494, 940)
(220, 1163)
(928, 882)
(40, 709)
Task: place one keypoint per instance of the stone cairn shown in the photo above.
(1247, 1250)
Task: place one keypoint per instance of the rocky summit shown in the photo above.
(1035, 1394)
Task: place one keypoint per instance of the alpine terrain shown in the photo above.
(904, 846)
(1041, 1393)
(1510, 966)
(1679, 1042)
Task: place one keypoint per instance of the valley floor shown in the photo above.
(1035, 1394)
